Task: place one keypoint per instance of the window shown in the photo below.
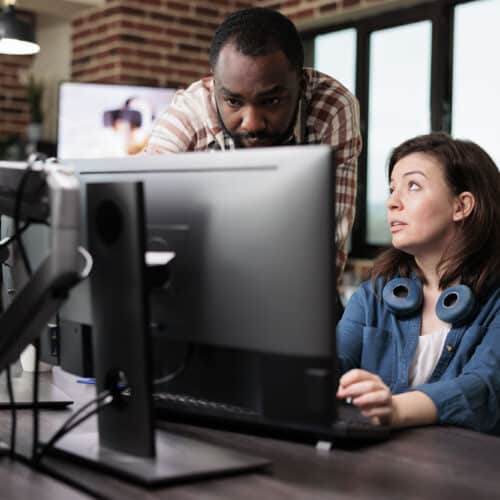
(417, 69)
(399, 67)
(335, 54)
(476, 74)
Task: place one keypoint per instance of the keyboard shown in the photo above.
(185, 401)
(350, 424)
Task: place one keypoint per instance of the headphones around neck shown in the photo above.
(404, 296)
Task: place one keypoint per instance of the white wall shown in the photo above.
(52, 65)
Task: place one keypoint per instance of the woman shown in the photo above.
(404, 361)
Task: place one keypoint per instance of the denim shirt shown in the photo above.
(465, 385)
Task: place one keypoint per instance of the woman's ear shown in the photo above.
(464, 204)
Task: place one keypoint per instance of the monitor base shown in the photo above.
(4, 448)
(179, 459)
(49, 395)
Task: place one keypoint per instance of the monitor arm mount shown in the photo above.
(51, 195)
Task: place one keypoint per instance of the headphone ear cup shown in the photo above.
(455, 304)
(402, 296)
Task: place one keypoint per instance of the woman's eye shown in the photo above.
(413, 186)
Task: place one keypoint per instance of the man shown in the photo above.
(259, 94)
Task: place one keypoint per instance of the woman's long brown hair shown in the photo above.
(474, 256)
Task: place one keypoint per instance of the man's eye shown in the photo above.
(234, 103)
(272, 101)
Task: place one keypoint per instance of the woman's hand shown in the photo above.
(368, 393)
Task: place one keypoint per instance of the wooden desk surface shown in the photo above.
(426, 463)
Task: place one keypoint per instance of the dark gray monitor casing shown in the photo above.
(253, 233)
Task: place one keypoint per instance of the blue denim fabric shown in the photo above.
(465, 385)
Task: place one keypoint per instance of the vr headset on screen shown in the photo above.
(131, 116)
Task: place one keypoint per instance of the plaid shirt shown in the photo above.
(328, 114)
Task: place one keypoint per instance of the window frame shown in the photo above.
(441, 15)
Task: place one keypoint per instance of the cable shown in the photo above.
(4, 243)
(9, 239)
(180, 369)
(17, 213)
(104, 399)
(17, 231)
(36, 345)
(13, 427)
(29, 272)
(89, 262)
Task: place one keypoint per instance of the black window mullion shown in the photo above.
(358, 237)
(442, 67)
(440, 13)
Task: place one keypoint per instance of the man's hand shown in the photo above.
(368, 393)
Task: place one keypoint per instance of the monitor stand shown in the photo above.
(49, 396)
(126, 442)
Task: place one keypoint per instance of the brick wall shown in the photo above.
(315, 10)
(166, 42)
(150, 42)
(14, 108)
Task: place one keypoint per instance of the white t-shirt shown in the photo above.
(427, 355)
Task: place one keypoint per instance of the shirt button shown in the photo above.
(449, 347)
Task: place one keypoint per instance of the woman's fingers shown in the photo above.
(368, 393)
(376, 398)
(357, 389)
(356, 375)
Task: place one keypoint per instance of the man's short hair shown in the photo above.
(259, 31)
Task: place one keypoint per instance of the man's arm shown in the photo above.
(175, 130)
(343, 133)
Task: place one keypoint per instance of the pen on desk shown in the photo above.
(86, 380)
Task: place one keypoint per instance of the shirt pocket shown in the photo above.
(379, 353)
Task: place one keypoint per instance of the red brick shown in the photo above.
(329, 7)
(177, 6)
(189, 48)
(301, 14)
(160, 16)
(203, 11)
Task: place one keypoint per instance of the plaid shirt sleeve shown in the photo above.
(173, 132)
(334, 116)
(187, 124)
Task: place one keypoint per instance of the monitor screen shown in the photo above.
(106, 120)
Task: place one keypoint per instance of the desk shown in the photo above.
(427, 463)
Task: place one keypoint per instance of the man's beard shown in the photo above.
(276, 139)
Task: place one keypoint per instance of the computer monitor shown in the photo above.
(251, 298)
(107, 120)
(126, 443)
(251, 293)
